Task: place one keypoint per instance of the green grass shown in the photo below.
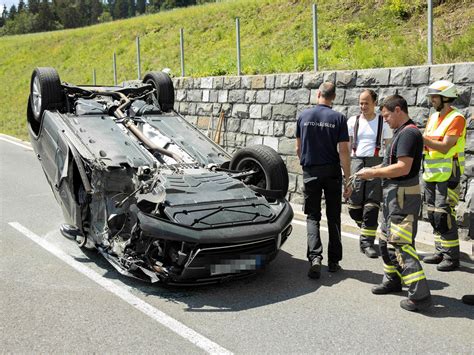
(276, 36)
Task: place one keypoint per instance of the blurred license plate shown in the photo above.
(233, 266)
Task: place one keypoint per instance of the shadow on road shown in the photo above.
(365, 276)
(449, 307)
(466, 269)
(284, 279)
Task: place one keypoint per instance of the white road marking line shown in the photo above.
(157, 315)
(23, 145)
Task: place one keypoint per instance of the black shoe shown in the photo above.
(433, 259)
(370, 252)
(386, 288)
(314, 271)
(416, 305)
(333, 267)
(448, 265)
(69, 231)
(468, 299)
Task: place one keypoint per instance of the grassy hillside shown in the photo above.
(276, 36)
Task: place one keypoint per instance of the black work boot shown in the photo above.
(416, 305)
(370, 252)
(448, 265)
(385, 288)
(314, 271)
(433, 259)
(334, 267)
(468, 299)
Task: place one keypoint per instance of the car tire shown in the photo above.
(271, 169)
(45, 92)
(164, 89)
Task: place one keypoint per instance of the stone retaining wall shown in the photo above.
(262, 109)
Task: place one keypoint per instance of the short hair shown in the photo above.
(372, 94)
(328, 90)
(392, 101)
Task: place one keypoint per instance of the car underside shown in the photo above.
(158, 198)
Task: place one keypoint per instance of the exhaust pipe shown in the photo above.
(132, 127)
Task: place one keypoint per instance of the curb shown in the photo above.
(424, 238)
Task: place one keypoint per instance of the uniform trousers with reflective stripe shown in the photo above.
(441, 199)
(364, 203)
(400, 221)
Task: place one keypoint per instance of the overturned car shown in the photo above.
(156, 197)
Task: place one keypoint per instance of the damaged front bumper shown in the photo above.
(207, 255)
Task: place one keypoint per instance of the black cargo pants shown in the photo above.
(318, 179)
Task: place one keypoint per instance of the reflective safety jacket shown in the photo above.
(436, 165)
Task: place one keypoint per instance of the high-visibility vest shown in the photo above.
(436, 165)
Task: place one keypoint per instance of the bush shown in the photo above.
(400, 9)
(105, 17)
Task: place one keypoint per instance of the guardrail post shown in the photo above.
(115, 69)
(430, 32)
(138, 59)
(315, 36)
(181, 46)
(237, 32)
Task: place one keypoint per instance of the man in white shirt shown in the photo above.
(369, 134)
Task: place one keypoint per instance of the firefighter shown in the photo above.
(444, 139)
(369, 135)
(402, 202)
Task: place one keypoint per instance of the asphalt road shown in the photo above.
(79, 303)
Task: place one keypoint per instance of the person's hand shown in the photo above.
(347, 191)
(366, 174)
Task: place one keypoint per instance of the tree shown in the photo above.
(12, 12)
(33, 6)
(141, 6)
(96, 10)
(120, 9)
(154, 5)
(45, 19)
(4, 17)
(21, 6)
(131, 8)
(168, 4)
(83, 8)
(4, 13)
(110, 5)
(67, 13)
(23, 23)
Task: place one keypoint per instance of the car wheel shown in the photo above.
(45, 92)
(271, 172)
(164, 89)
